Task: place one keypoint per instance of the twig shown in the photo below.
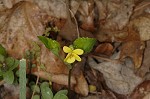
(105, 59)
(78, 33)
(69, 10)
(97, 93)
(141, 6)
(37, 80)
(69, 82)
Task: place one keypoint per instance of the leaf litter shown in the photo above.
(119, 64)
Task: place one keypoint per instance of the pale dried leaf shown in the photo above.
(141, 24)
(119, 77)
(118, 14)
(22, 25)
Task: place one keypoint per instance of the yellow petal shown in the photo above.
(67, 49)
(78, 51)
(76, 57)
(68, 55)
(70, 58)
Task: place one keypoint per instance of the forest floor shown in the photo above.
(75, 49)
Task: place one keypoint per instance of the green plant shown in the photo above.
(80, 46)
(7, 66)
(46, 92)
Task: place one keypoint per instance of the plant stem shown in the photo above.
(69, 82)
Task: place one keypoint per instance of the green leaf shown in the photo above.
(85, 44)
(1, 72)
(62, 94)
(31, 83)
(22, 79)
(65, 92)
(15, 65)
(35, 88)
(2, 50)
(52, 45)
(12, 63)
(36, 97)
(46, 91)
(2, 58)
(9, 77)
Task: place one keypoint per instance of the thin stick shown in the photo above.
(105, 59)
(67, 6)
(78, 33)
(69, 82)
(142, 6)
(37, 80)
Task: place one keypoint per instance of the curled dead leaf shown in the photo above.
(134, 50)
(104, 49)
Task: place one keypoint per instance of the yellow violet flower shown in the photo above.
(72, 54)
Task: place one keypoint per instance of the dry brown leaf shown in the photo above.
(51, 62)
(117, 14)
(134, 50)
(95, 78)
(104, 49)
(119, 29)
(145, 68)
(10, 91)
(103, 95)
(57, 78)
(77, 72)
(23, 23)
(82, 86)
(70, 31)
(141, 25)
(141, 90)
(87, 15)
(46, 5)
(141, 7)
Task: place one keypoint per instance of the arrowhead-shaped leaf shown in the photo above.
(52, 45)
